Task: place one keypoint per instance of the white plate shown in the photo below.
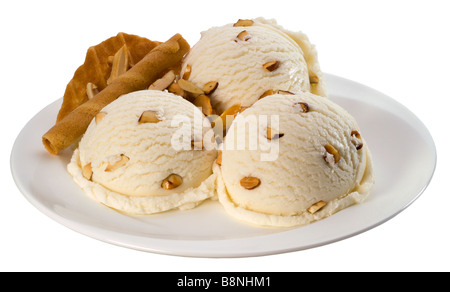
(404, 159)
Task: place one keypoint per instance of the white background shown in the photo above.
(400, 48)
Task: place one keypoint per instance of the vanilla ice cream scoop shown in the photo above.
(289, 160)
(250, 59)
(139, 155)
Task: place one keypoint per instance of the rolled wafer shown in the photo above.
(68, 130)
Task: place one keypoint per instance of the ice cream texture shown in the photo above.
(128, 158)
(251, 58)
(322, 162)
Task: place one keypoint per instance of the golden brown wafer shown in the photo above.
(96, 68)
(67, 131)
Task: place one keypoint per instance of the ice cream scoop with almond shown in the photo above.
(144, 153)
(289, 160)
(250, 59)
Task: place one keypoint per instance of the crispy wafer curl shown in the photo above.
(68, 130)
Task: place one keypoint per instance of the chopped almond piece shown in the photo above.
(243, 36)
(271, 66)
(86, 171)
(120, 64)
(189, 87)
(171, 182)
(313, 78)
(329, 149)
(91, 90)
(316, 207)
(219, 158)
(163, 82)
(267, 93)
(123, 160)
(271, 135)
(210, 86)
(226, 122)
(197, 145)
(187, 72)
(303, 106)
(285, 92)
(99, 117)
(205, 103)
(250, 182)
(149, 117)
(357, 140)
(175, 88)
(244, 22)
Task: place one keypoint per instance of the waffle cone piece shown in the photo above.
(68, 130)
(97, 68)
